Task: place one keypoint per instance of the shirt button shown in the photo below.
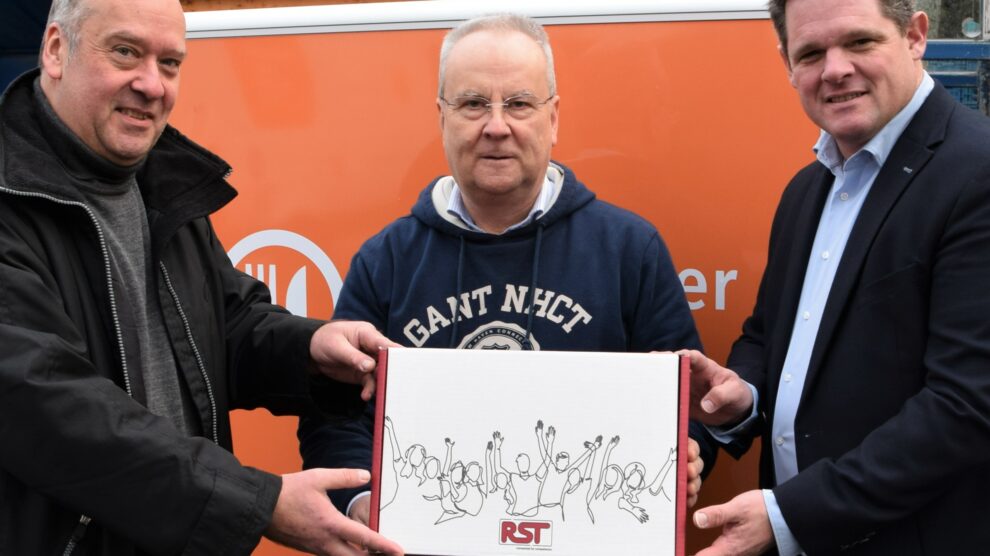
(806, 315)
(825, 255)
(780, 441)
(844, 196)
(787, 377)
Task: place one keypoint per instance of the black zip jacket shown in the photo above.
(85, 468)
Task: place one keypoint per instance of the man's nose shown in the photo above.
(496, 125)
(149, 80)
(838, 65)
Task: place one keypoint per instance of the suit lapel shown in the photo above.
(907, 159)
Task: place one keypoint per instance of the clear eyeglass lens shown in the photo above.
(475, 107)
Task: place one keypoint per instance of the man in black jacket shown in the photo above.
(126, 333)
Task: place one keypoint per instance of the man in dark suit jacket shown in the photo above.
(865, 365)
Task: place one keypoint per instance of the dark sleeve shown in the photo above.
(661, 318)
(749, 353)
(663, 322)
(346, 444)
(77, 438)
(268, 353)
(337, 444)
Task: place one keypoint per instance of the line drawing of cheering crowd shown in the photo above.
(556, 483)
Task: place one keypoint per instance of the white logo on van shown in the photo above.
(296, 297)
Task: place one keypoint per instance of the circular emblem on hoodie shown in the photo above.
(498, 335)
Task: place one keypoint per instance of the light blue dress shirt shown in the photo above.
(853, 179)
(544, 200)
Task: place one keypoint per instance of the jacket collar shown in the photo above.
(179, 180)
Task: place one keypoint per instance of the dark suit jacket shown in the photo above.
(893, 427)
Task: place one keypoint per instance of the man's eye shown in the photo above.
(124, 51)
(473, 104)
(519, 105)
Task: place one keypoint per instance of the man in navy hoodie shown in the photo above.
(522, 249)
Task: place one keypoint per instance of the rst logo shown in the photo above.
(530, 533)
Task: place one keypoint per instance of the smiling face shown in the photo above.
(117, 87)
(498, 158)
(853, 68)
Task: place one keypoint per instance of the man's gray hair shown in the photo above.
(898, 11)
(498, 22)
(69, 14)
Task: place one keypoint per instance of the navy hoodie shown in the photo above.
(586, 276)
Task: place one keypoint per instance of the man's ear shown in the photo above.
(782, 50)
(554, 118)
(917, 34)
(54, 51)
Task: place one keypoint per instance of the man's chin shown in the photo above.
(128, 157)
(130, 152)
(497, 186)
(503, 179)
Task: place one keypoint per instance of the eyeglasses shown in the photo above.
(473, 107)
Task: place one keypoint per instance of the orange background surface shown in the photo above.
(332, 136)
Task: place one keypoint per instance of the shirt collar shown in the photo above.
(879, 147)
(456, 207)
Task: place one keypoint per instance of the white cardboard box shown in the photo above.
(482, 452)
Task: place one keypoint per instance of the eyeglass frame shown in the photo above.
(504, 104)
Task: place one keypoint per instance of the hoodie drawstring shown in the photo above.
(527, 343)
(457, 309)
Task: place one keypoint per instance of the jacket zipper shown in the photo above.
(80, 530)
(192, 342)
(106, 268)
(77, 535)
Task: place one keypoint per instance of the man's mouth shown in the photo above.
(136, 114)
(843, 98)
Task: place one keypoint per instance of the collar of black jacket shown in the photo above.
(179, 179)
(91, 170)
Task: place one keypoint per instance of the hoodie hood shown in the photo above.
(431, 210)
(431, 207)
